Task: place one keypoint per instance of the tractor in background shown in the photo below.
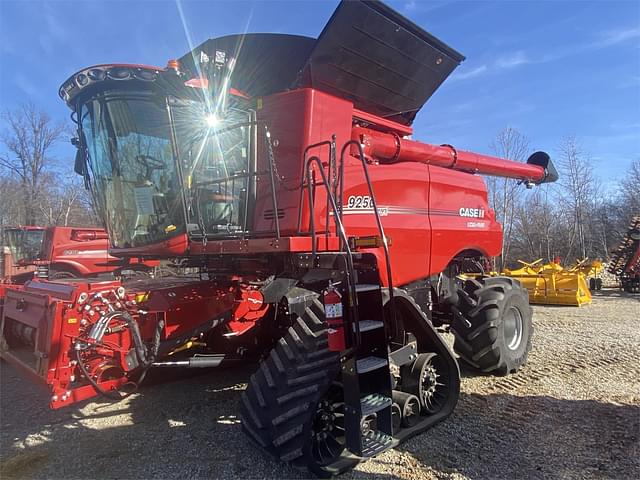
(312, 233)
(625, 260)
(57, 252)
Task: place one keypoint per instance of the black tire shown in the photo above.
(493, 325)
(593, 286)
(598, 284)
(279, 408)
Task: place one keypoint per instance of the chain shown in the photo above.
(274, 165)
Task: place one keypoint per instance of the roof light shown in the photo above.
(82, 79)
(96, 74)
(119, 73)
(144, 74)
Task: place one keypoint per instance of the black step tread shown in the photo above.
(369, 364)
(375, 442)
(366, 287)
(366, 325)
(373, 403)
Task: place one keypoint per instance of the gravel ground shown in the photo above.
(572, 412)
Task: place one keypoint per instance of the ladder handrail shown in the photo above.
(353, 303)
(385, 243)
(332, 159)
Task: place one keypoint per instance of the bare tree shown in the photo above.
(536, 225)
(630, 190)
(67, 203)
(512, 145)
(578, 194)
(28, 140)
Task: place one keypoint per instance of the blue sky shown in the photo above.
(548, 68)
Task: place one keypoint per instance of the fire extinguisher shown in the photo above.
(335, 322)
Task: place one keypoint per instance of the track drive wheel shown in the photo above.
(493, 325)
(293, 406)
(429, 379)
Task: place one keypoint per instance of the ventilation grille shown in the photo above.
(268, 214)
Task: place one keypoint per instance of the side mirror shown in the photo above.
(80, 166)
(543, 160)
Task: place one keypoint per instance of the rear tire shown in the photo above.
(493, 325)
(286, 403)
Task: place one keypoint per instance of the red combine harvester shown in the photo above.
(279, 171)
(57, 252)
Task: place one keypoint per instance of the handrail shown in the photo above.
(385, 243)
(331, 144)
(353, 304)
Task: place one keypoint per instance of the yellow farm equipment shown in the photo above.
(591, 271)
(551, 284)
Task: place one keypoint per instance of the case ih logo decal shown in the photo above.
(472, 212)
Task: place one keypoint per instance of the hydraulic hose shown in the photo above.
(146, 355)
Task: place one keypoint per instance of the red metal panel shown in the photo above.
(295, 119)
(460, 217)
(264, 245)
(402, 196)
(84, 250)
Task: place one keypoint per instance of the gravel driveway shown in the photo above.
(572, 412)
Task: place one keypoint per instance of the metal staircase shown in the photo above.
(366, 379)
(365, 373)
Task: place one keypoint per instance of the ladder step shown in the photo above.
(365, 287)
(375, 442)
(373, 403)
(366, 325)
(369, 364)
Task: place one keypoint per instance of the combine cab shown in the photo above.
(24, 247)
(311, 231)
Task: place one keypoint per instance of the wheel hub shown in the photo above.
(429, 383)
(513, 328)
(325, 417)
(327, 429)
(429, 380)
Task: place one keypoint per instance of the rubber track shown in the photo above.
(280, 400)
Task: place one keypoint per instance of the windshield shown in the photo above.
(134, 177)
(142, 192)
(25, 245)
(214, 165)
